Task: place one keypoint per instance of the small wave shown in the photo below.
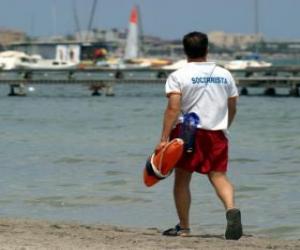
(126, 199)
(62, 201)
(288, 232)
(68, 160)
(283, 173)
(243, 160)
(243, 196)
(6, 201)
(114, 172)
(53, 201)
(74, 160)
(67, 185)
(250, 188)
(114, 183)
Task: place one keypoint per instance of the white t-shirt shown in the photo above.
(205, 89)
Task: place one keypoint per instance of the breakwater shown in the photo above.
(98, 79)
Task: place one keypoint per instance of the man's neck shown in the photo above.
(199, 59)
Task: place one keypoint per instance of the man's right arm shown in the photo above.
(171, 114)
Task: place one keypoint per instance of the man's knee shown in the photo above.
(219, 177)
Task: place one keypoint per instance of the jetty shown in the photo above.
(104, 79)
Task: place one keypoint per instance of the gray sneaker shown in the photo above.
(234, 230)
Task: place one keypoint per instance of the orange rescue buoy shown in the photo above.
(160, 165)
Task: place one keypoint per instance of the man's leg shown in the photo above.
(225, 191)
(182, 196)
(223, 187)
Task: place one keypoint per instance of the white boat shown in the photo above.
(19, 60)
(251, 60)
(244, 64)
(40, 63)
(10, 59)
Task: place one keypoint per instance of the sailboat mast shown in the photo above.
(76, 19)
(256, 24)
(32, 22)
(94, 6)
(54, 16)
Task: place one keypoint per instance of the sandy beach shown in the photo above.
(37, 234)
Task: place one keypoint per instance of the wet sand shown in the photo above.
(36, 234)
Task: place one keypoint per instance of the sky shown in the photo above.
(168, 19)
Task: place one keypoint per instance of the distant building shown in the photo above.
(110, 35)
(233, 41)
(8, 36)
(114, 39)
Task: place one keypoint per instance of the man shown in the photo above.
(205, 89)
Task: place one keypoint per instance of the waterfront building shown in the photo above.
(8, 36)
(233, 41)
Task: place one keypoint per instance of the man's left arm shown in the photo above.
(232, 101)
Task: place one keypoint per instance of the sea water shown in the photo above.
(66, 155)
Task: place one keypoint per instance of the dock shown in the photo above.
(104, 79)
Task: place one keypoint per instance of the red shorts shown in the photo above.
(210, 152)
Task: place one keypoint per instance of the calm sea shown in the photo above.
(68, 156)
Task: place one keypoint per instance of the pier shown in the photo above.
(103, 79)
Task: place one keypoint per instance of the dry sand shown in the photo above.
(33, 234)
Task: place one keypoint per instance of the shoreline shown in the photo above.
(41, 234)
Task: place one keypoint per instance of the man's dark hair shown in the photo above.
(195, 44)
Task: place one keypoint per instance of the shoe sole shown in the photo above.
(234, 230)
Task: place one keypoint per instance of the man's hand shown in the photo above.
(159, 146)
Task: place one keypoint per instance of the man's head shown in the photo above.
(195, 45)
